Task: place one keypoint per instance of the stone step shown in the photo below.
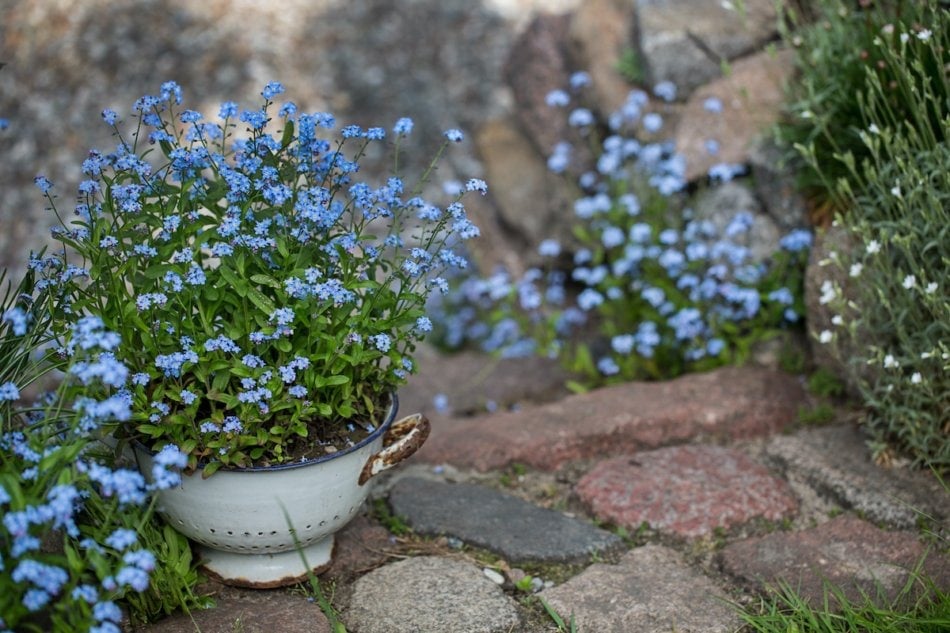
(651, 590)
(509, 526)
(836, 462)
(731, 402)
(686, 491)
(429, 593)
(850, 553)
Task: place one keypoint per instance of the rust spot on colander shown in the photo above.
(402, 439)
(270, 584)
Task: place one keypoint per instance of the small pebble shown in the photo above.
(515, 574)
(537, 584)
(454, 543)
(493, 576)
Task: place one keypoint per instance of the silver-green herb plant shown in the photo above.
(891, 323)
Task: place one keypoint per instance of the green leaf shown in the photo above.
(210, 469)
(221, 380)
(265, 280)
(237, 284)
(576, 387)
(261, 300)
(151, 430)
(288, 137)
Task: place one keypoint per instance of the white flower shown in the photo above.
(909, 281)
(904, 38)
(916, 378)
(931, 287)
(926, 355)
(889, 362)
(856, 269)
(924, 35)
(828, 292)
(825, 337)
(874, 129)
(837, 320)
(896, 191)
(873, 247)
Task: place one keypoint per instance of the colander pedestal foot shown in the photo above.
(267, 570)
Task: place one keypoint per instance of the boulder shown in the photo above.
(538, 63)
(602, 31)
(532, 202)
(751, 98)
(686, 41)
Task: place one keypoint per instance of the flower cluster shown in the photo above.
(668, 289)
(266, 296)
(69, 541)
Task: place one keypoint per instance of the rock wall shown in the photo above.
(482, 66)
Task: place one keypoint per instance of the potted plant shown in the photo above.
(268, 301)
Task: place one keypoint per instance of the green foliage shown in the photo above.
(562, 627)
(825, 383)
(631, 67)
(921, 607)
(843, 44)
(71, 507)
(895, 313)
(820, 414)
(392, 522)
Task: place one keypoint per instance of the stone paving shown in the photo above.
(646, 507)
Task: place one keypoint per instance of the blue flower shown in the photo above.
(382, 342)
(557, 98)
(9, 391)
(122, 539)
(665, 90)
(549, 248)
(623, 343)
(580, 117)
(797, 240)
(423, 324)
(403, 127)
(782, 295)
(589, 299)
(107, 611)
(608, 366)
(579, 80)
(272, 89)
(652, 122)
(43, 183)
(476, 184)
(18, 319)
(712, 104)
(612, 237)
(454, 135)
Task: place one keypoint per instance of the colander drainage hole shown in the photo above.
(322, 523)
(211, 530)
(230, 533)
(273, 532)
(260, 534)
(309, 527)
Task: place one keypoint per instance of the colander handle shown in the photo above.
(402, 439)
